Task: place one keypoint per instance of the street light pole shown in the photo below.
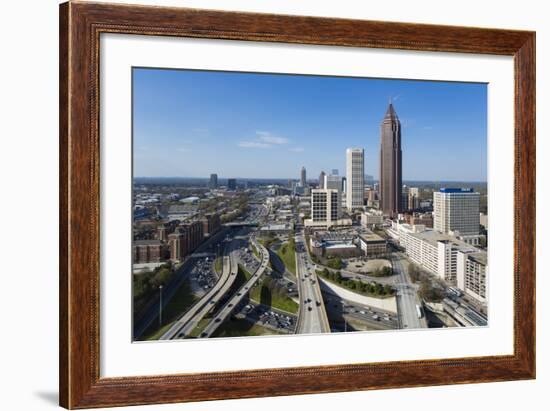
(160, 306)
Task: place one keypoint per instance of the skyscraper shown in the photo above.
(213, 183)
(390, 164)
(355, 174)
(414, 198)
(303, 177)
(322, 180)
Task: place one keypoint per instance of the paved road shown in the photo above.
(373, 316)
(312, 317)
(235, 300)
(407, 298)
(186, 323)
(170, 289)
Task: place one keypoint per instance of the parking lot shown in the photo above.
(267, 317)
(202, 276)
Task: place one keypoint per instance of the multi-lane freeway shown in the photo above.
(407, 299)
(312, 317)
(236, 299)
(171, 288)
(188, 321)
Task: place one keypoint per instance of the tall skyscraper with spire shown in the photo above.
(390, 164)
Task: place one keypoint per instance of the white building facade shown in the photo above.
(456, 212)
(326, 209)
(355, 177)
(472, 274)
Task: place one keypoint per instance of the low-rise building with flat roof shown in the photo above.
(372, 244)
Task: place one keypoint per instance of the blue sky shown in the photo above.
(193, 123)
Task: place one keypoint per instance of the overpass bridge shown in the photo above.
(242, 224)
(235, 300)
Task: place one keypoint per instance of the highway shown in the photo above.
(172, 287)
(235, 300)
(312, 317)
(407, 299)
(186, 323)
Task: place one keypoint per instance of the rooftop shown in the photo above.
(433, 237)
(456, 190)
(479, 257)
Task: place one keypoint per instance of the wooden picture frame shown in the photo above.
(80, 27)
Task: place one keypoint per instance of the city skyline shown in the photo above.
(169, 142)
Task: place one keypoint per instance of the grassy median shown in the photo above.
(273, 295)
(182, 300)
(288, 256)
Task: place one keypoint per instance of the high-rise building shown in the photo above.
(404, 198)
(390, 164)
(231, 184)
(213, 183)
(456, 211)
(334, 182)
(303, 177)
(326, 209)
(355, 175)
(325, 205)
(414, 198)
(322, 177)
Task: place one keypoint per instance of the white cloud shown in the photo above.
(296, 149)
(269, 138)
(254, 144)
(183, 149)
(264, 139)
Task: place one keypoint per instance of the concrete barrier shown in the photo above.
(387, 304)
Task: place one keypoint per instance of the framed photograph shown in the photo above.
(260, 205)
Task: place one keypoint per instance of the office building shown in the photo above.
(413, 198)
(372, 218)
(355, 175)
(373, 245)
(390, 164)
(322, 177)
(334, 182)
(326, 209)
(231, 184)
(303, 177)
(456, 212)
(213, 183)
(404, 198)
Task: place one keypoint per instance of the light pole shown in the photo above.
(160, 306)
